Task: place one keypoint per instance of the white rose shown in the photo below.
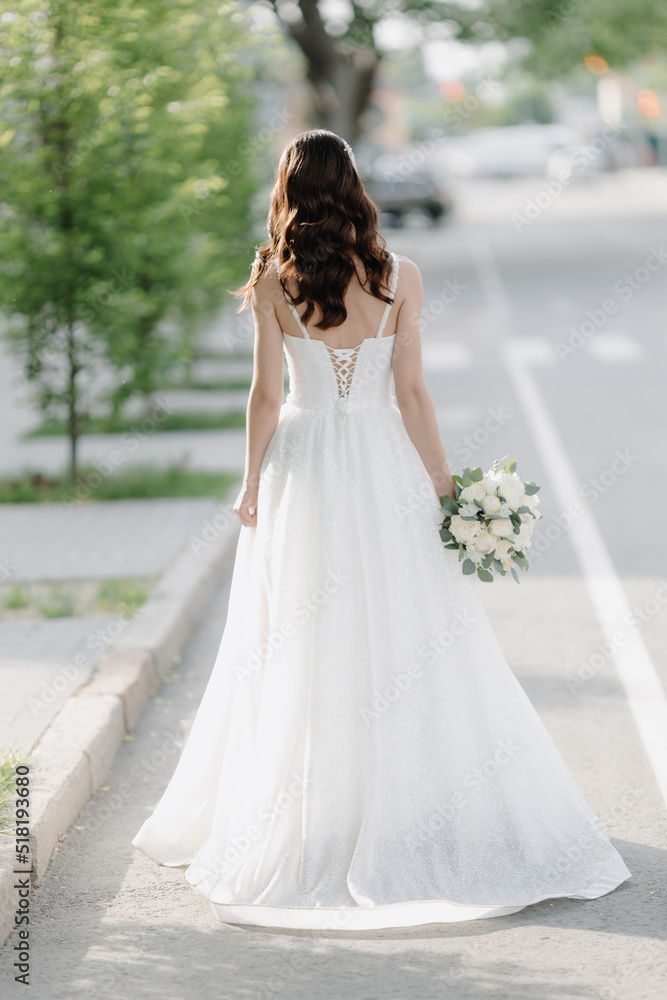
(525, 531)
(502, 526)
(490, 504)
(462, 530)
(502, 549)
(490, 481)
(468, 510)
(509, 480)
(512, 495)
(529, 500)
(474, 492)
(485, 542)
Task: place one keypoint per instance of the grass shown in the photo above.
(9, 761)
(60, 603)
(18, 598)
(75, 599)
(221, 385)
(140, 482)
(179, 421)
(114, 595)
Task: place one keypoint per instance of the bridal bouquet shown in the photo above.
(491, 520)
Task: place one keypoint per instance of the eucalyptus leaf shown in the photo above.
(513, 572)
(530, 488)
(468, 567)
(484, 575)
(476, 475)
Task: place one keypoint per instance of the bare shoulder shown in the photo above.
(409, 276)
(267, 287)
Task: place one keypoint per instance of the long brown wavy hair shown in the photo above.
(320, 215)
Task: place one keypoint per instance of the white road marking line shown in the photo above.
(446, 355)
(638, 676)
(492, 283)
(612, 347)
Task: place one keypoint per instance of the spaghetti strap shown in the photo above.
(387, 308)
(305, 333)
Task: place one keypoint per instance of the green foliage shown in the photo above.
(125, 189)
(60, 604)
(560, 32)
(137, 483)
(121, 595)
(184, 420)
(9, 761)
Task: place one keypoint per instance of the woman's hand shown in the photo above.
(245, 506)
(445, 486)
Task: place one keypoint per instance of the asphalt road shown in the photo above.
(108, 923)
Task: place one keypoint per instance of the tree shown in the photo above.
(342, 56)
(120, 216)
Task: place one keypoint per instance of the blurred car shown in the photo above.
(506, 151)
(406, 190)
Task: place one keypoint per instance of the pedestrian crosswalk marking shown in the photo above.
(614, 347)
(446, 355)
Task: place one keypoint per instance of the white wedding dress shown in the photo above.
(363, 756)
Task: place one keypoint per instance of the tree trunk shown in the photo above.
(72, 407)
(341, 75)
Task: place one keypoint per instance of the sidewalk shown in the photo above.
(74, 686)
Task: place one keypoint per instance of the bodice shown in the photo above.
(341, 379)
(354, 379)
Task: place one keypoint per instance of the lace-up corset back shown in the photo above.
(341, 378)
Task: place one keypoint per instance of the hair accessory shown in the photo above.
(349, 151)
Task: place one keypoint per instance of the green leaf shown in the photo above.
(498, 565)
(523, 510)
(530, 488)
(520, 557)
(487, 560)
(466, 478)
(476, 475)
(511, 465)
(484, 575)
(516, 530)
(513, 572)
(457, 479)
(452, 545)
(468, 567)
(446, 535)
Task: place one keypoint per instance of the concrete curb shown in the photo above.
(76, 752)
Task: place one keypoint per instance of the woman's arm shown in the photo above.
(412, 396)
(266, 395)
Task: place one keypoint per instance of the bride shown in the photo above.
(363, 756)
